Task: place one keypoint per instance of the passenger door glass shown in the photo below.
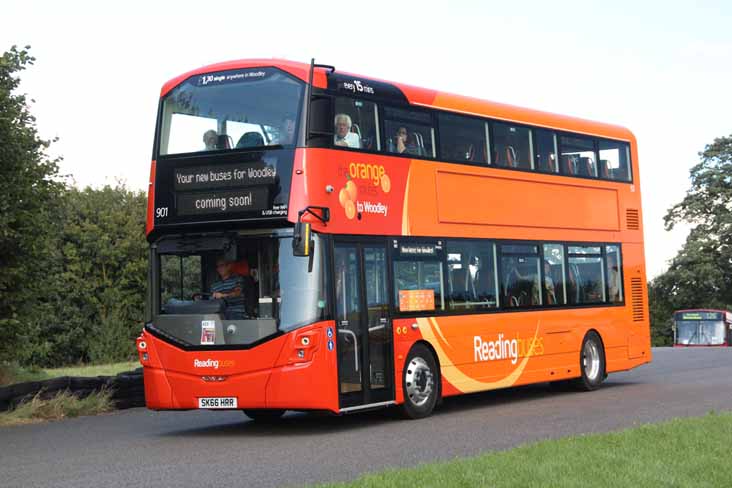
(348, 309)
(378, 319)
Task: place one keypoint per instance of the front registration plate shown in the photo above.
(217, 402)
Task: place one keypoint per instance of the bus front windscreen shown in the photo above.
(700, 332)
(215, 298)
(234, 109)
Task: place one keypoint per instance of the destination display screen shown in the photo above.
(243, 186)
(699, 316)
(418, 248)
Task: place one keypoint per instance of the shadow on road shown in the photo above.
(519, 394)
(292, 424)
(309, 423)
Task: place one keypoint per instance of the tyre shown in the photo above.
(264, 414)
(592, 363)
(420, 383)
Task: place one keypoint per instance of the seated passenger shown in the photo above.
(551, 291)
(404, 143)
(523, 289)
(613, 279)
(287, 131)
(250, 139)
(233, 289)
(210, 140)
(343, 135)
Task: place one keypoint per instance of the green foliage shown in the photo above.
(700, 276)
(99, 279)
(29, 189)
(72, 262)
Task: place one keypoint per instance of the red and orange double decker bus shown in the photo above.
(326, 241)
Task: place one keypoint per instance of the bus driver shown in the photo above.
(237, 291)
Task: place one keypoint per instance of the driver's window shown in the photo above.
(180, 277)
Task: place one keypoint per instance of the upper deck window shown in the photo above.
(355, 125)
(545, 157)
(409, 132)
(614, 160)
(254, 107)
(512, 146)
(462, 139)
(578, 157)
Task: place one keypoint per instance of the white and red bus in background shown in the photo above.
(702, 327)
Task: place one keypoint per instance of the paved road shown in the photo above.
(225, 449)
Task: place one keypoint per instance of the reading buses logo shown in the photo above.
(213, 363)
(506, 348)
(372, 176)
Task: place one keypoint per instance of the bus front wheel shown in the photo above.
(592, 363)
(420, 383)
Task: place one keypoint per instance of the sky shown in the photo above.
(661, 69)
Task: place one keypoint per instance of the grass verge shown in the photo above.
(63, 405)
(681, 452)
(11, 373)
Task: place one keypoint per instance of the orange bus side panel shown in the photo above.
(511, 201)
(491, 351)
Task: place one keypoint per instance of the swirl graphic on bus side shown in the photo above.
(430, 330)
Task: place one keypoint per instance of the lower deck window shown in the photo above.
(418, 286)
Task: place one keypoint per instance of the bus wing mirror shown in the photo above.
(302, 242)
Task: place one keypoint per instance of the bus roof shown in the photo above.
(428, 98)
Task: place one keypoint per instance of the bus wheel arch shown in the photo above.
(592, 362)
(421, 381)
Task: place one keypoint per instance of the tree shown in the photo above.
(29, 188)
(700, 276)
(99, 279)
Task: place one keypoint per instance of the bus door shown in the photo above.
(364, 342)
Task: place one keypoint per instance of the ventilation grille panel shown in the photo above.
(632, 219)
(636, 298)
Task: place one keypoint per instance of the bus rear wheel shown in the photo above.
(264, 414)
(592, 363)
(420, 383)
